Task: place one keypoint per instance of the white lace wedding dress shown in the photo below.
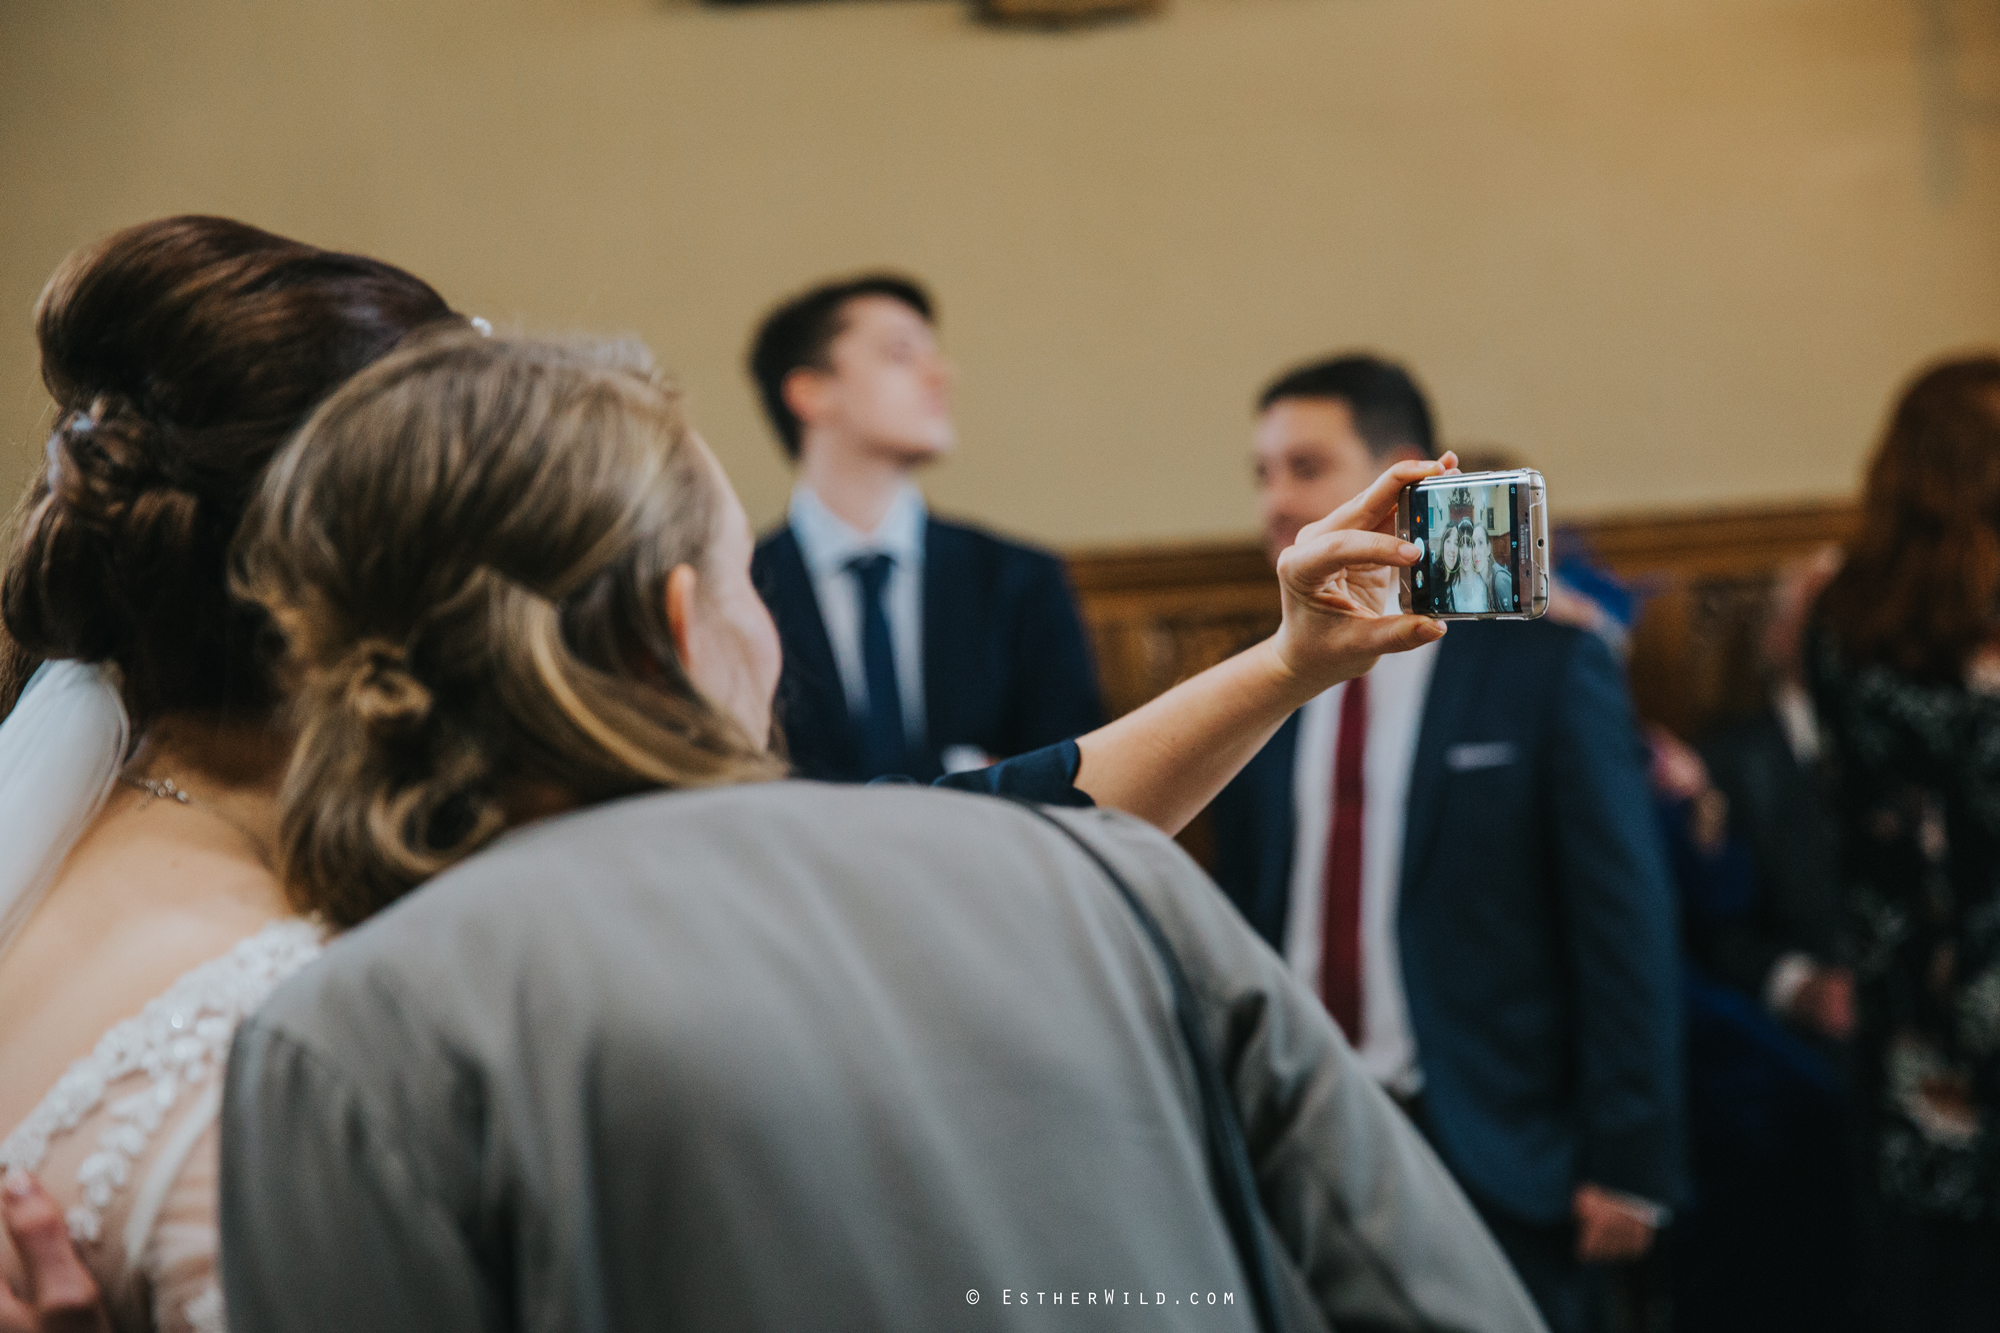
(127, 1138)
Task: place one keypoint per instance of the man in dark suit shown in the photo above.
(912, 646)
(1458, 852)
(1772, 1240)
(1785, 950)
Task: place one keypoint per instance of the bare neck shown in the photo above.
(233, 767)
(227, 751)
(154, 887)
(857, 484)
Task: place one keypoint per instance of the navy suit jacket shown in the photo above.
(1536, 923)
(1006, 664)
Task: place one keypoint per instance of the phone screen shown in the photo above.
(1472, 552)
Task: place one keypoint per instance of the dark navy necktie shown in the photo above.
(882, 730)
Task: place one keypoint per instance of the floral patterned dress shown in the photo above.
(1916, 768)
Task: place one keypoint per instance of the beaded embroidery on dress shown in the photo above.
(159, 1070)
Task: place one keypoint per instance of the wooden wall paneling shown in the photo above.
(1705, 580)
(1716, 542)
(1159, 614)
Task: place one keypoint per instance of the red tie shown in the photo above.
(1340, 916)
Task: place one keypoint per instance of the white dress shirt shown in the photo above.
(1397, 689)
(828, 543)
(1799, 721)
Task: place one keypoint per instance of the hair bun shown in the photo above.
(104, 455)
(182, 353)
(108, 544)
(380, 690)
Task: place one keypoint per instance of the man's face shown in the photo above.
(890, 387)
(1309, 463)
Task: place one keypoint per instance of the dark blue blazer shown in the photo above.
(1537, 923)
(1006, 664)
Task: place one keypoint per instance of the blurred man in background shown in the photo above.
(1767, 769)
(1770, 1239)
(1458, 853)
(912, 646)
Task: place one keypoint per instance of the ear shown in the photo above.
(682, 584)
(1403, 453)
(804, 392)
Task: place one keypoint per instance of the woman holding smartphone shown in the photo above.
(140, 915)
(662, 1042)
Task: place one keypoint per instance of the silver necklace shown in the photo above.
(166, 789)
(158, 789)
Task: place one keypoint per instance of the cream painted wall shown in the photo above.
(1676, 252)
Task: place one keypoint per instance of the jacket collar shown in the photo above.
(1454, 694)
(827, 541)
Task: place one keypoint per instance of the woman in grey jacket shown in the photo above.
(667, 1042)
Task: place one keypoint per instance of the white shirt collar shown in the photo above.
(1798, 720)
(828, 541)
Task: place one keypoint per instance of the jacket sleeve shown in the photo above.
(1054, 676)
(1046, 776)
(323, 1223)
(1778, 811)
(1370, 1231)
(1618, 908)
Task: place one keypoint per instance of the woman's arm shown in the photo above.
(1165, 761)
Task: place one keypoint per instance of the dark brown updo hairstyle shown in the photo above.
(181, 353)
(466, 554)
(1920, 588)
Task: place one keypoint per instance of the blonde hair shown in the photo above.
(466, 552)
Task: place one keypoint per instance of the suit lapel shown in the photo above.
(1277, 763)
(810, 671)
(1453, 694)
(942, 613)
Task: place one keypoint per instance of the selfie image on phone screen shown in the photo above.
(1471, 561)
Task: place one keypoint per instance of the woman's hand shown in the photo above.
(1163, 762)
(61, 1296)
(1340, 587)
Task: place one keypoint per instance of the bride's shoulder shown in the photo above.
(176, 1038)
(118, 1134)
(146, 1063)
(125, 920)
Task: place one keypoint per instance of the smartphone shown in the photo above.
(1486, 546)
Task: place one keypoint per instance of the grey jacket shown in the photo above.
(796, 1056)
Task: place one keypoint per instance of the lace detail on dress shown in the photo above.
(179, 1041)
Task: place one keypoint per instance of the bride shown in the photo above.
(1469, 591)
(138, 916)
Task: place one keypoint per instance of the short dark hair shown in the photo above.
(1390, 411)
(799, 334)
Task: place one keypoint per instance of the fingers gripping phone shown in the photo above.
(1486, 546)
